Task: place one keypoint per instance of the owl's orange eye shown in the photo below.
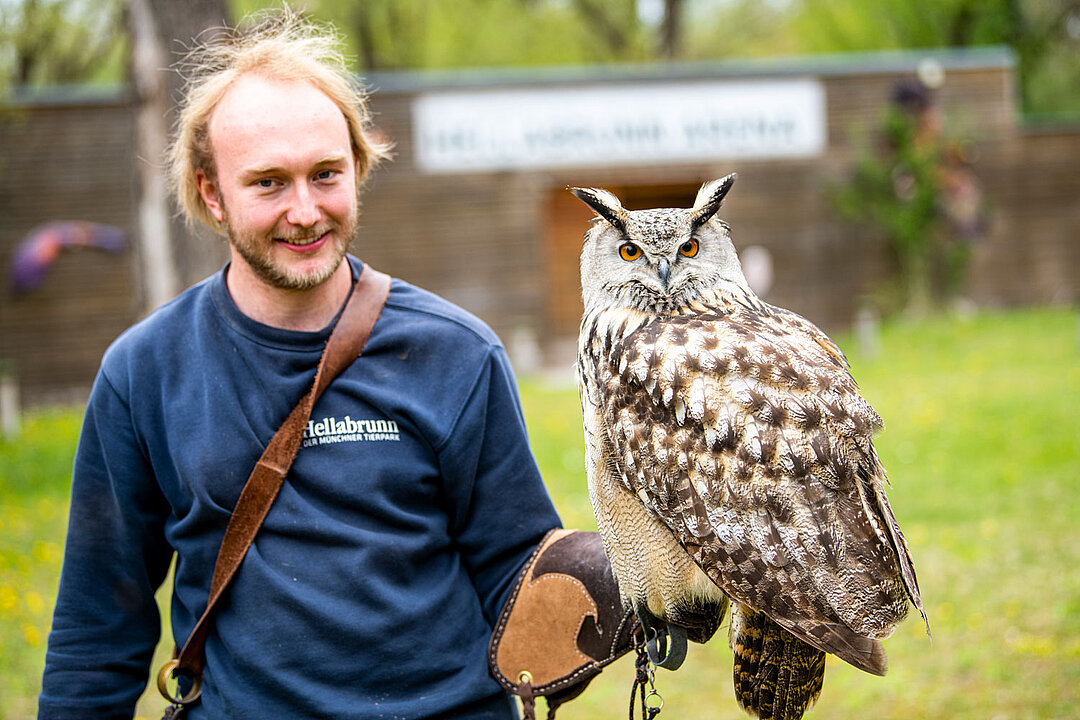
(629, 252)
(689, 248)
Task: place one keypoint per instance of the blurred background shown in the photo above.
(892, 155)
(908, 180)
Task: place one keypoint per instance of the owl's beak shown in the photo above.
(662, 270)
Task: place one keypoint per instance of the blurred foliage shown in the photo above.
(1045, 34)
(412, 34)
(913, 185)
(58, 42)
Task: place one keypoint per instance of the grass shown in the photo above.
(34, 472)
(982, 444)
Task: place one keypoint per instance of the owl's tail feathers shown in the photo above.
(865, 653)
(777, 676)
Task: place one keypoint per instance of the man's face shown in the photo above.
(285, 182)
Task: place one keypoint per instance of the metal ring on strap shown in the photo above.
(168, 670)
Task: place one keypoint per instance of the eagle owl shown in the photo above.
(730, 460)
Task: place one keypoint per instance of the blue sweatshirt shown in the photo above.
(373, 583)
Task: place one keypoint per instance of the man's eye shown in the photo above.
(266, 183)
(325, 174)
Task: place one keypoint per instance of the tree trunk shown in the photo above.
(602, 19)
(159, 280)
(365, 35)
(671, 29)
(170, 256)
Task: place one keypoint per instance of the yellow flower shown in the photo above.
(42, 551)
(33, 635)
(34, 603)
(8, 599)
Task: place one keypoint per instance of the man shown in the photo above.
(372, 586)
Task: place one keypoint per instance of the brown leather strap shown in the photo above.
(345, 344)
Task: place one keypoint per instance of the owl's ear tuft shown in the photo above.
(604, 203)
(709, 198)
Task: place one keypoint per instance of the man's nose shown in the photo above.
(303, 209)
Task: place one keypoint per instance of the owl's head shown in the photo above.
(657, 260)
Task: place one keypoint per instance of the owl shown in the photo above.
(730, 460)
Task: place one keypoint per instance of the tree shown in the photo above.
(916, 188)
(404, 34)
(671, 29)
(1044, 33)
(51, 42)
(414, 34)
(622, 25)
(170, 256)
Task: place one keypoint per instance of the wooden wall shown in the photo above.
(69, 160)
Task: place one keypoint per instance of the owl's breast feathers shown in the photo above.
(739, 426)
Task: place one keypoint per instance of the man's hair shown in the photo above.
(283, 46)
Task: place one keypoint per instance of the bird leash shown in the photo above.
(645, 676)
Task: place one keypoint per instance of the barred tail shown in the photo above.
(777, 676)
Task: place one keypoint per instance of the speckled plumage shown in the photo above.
(730, 457)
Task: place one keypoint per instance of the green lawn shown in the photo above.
(982, 444)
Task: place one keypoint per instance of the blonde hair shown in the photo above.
(281, 45)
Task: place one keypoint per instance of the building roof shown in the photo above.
(821, 65)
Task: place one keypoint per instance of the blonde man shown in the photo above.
(372, 586)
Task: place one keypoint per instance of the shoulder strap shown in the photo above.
(346, 342)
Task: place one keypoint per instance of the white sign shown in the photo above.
(605, 125)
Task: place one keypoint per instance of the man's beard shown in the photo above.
(258, 254)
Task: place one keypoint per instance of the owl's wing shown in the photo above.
(746, 435)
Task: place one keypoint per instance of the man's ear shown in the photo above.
(211, 197)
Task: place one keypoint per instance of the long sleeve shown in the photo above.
(409, 509)
(106, 622)
(500, 508)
